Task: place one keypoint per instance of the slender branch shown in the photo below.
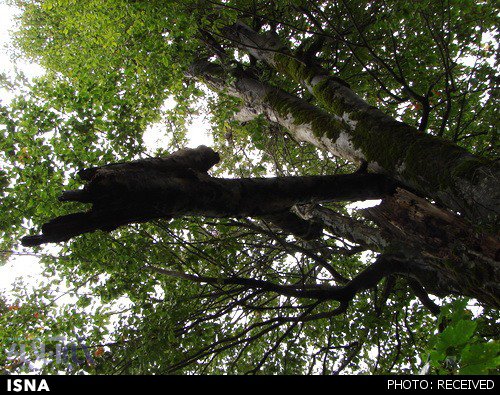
(424, 298)
(383, 266)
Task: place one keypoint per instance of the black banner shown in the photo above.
(89, 384)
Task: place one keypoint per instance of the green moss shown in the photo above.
(440, 163)
(326, 96)
(467, 167)
(428, 164)
(322, 123)
(324, 91)
(427, 160)
(380, 145)
(290, 66)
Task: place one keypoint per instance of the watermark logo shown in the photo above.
(39, 352)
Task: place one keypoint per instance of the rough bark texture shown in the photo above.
(429, 245)
(178, 185)
(355, 130)
(445, 253)
(344, 227)
(435, 248)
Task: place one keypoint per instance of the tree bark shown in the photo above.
(173, 187)
(344, 227)
(445, 254)
(357, 131)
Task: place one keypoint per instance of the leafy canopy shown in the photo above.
(110, 68)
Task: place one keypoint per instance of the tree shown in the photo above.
(313, 90)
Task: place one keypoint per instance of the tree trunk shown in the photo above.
(445, 253)
(354, 130)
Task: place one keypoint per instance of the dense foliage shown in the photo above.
(113, 69)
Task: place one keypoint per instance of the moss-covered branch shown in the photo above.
(432, 166)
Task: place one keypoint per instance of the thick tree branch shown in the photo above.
(178, 185)
(460, 180)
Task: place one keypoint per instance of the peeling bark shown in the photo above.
(344, 227)
(289, 222)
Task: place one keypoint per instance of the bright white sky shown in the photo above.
(24, 266)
